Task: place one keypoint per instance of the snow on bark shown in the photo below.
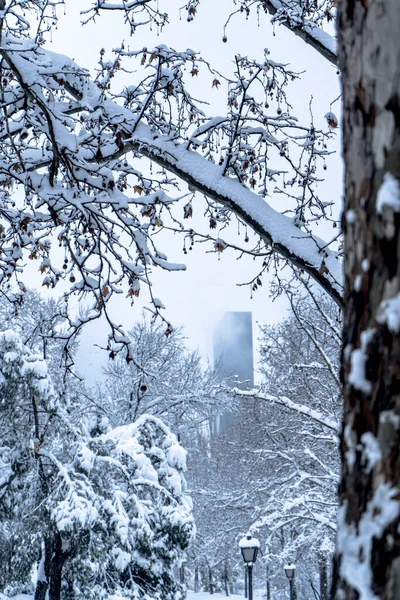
(388, 194)
(390, 313)
(357, 376)
(355, 542)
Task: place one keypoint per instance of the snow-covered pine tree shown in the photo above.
(123, 514)
(104, 515)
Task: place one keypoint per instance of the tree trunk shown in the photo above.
(210, 580)
(226, 576)
(196, 579)
(231, 585)
(268, 582)
(230, 580)
(43, 573)
(57, 562)
(367, 563)
(205, 579)
(323, 577)
(41, 590)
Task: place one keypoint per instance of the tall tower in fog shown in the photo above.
(233, 349)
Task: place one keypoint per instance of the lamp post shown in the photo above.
(249, 547)
(290, 571)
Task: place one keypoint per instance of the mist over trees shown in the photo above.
(80, 206)
(275, 470)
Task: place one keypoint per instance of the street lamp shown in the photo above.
(249, 547)
(290, 571)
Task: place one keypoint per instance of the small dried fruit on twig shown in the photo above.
(187, 211)
(147, 211)
(118, 140)
(323, 270)
(332, 120)
(220, 245)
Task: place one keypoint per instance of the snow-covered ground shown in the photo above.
(206, 596)
(17, 597)
(190, 596)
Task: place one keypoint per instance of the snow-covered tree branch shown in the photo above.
(295, 406)
(70, 150)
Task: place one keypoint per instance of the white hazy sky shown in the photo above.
(198, 298)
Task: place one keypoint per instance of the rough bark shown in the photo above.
(368, 548)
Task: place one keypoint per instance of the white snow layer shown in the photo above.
(249, 543)
(357, 377)
(389, 313)
(388, 194)
(355, 544)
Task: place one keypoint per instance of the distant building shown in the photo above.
(233, 349)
